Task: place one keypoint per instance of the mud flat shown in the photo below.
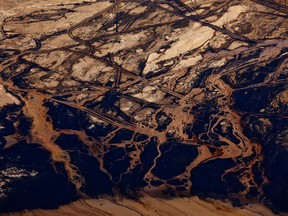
(112, 98)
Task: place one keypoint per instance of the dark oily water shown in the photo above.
(117, 97)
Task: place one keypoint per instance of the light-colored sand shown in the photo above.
(7, 98)
(151, 206)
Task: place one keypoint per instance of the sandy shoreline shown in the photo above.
(149, 205)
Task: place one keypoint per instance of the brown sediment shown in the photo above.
(42, 132)
(124, 65)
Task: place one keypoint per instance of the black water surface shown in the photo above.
(47, 189)
(276, 169)
(206, 178)
(174, 160)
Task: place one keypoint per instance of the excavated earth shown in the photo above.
(155, 107)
